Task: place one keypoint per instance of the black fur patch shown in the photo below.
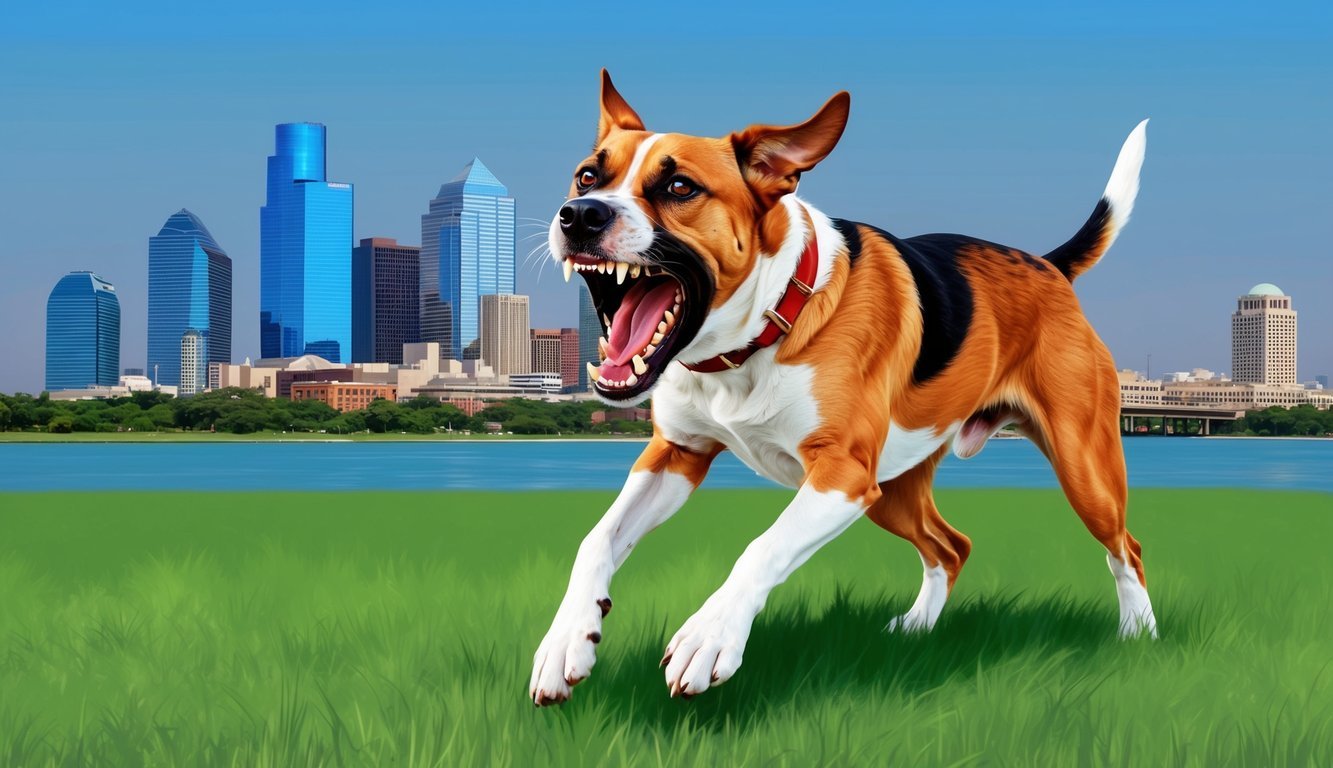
(850, 235)
(1081, 251)
(946, 296)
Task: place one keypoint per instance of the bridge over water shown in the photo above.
(1176, 416)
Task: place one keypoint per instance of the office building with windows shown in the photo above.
(82, 333)
(385, 300)
(193, 363)
(590, 330)
(1263, 337)
(467, 251)
(505, 342)
(189, 288)
(305, 251)
(569, 358)
(546, 350)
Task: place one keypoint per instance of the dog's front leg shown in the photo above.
(708, 648)
(662, 478)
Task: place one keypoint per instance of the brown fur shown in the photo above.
(1026, 339)
(662, 455)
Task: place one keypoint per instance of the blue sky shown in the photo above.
(1001, 123)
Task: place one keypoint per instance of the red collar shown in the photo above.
(780, 318)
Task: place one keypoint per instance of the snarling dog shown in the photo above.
(831, 357)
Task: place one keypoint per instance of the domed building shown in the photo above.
(1263, 337)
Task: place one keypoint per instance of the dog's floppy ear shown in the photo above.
(773, 158)
(616, 112)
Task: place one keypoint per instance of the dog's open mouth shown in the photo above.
(649, 312)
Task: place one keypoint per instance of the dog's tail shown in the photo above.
(1086, 247)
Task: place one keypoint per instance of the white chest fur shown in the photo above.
(760, 411)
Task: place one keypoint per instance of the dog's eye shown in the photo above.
(681, 188)
(585, 179)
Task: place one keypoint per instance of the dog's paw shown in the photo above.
(567, 653)
(707, 650)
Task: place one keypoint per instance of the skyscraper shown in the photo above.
(305, 252)
(189, 287)
(505, 344)
(1263, 337)
(385, 300)
(590, 330)
(546, 350)
(82, 333)
(467, 251)
(193, 362)
(570, 367)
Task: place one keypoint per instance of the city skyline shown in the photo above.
(1234, 183)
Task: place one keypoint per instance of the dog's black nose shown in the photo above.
(583, 218)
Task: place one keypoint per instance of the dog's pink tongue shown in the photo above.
(634, 325)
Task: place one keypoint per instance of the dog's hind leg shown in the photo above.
(906, 508)
(1080, 436)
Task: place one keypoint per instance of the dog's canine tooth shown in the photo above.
(606, 321)
(569, 269)
(593, 372)
(622, 269)
(640, 367)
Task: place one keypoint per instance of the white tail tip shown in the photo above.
(1123, 185)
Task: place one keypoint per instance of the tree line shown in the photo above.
(245, 411)
(1301, 421)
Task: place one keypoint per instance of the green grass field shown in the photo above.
(398, 628)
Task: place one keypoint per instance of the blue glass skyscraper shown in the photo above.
(467, 251)
(82, 333)
(189, 289)
(305, 252)
(590, 330)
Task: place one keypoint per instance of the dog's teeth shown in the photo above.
(634, 270)
(662, 327)
(593, 372)
(569, 269)
(657, 338)
(670, 318)
(676, 309)
(606, 320)
(649, 350)
(622, 269)
(640, 367)
(632, 380)
(602, 346)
